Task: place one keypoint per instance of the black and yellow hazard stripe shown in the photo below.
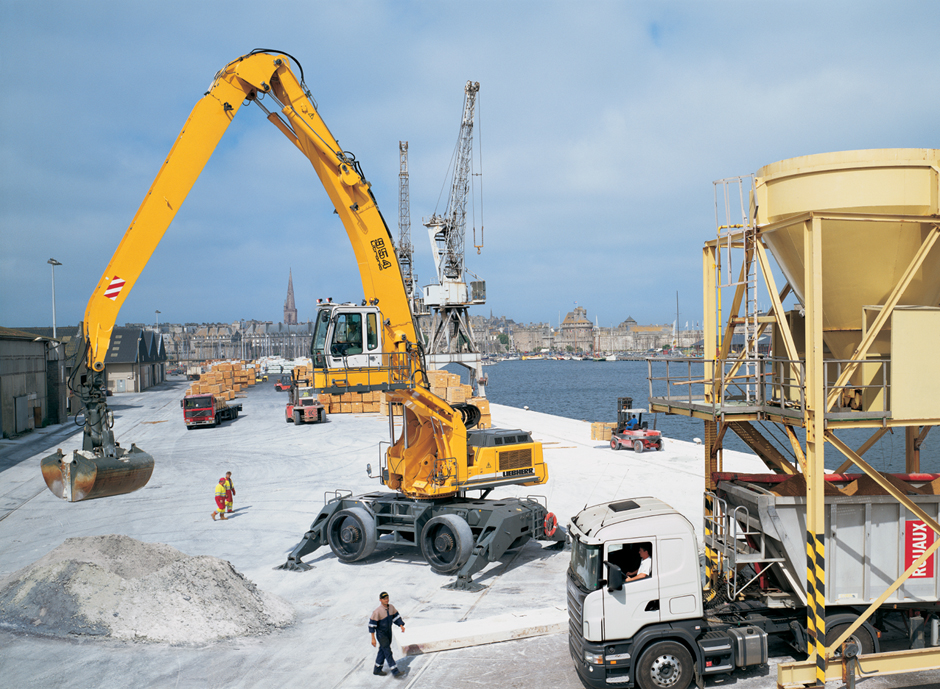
(816, 602)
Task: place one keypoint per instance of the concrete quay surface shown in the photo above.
(281, 474)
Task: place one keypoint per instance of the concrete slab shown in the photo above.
(488, 630)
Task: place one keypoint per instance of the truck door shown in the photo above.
(636, 604)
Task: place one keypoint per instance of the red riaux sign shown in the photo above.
(917, 538)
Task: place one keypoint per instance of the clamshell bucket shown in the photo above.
(84, 475)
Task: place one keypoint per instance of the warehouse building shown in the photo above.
(32, 382)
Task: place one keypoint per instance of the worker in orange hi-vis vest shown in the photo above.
(220, 492)
(229, 491)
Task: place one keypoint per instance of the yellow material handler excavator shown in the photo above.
(435, 455)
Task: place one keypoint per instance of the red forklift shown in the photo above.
(632, 432)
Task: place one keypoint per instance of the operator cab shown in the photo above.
(347, 336)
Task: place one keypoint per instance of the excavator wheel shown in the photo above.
(614, 443)
(638, 446)
(351, 534)
(446, 542)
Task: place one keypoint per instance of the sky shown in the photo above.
(600, 129)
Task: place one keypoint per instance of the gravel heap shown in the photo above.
(120, 588)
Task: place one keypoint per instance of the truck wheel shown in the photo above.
(664, 665)
(614, 444)
(861, 637)
(659, 446)
(297, 418)
(446, 542)
(351, 534)
(638, 446)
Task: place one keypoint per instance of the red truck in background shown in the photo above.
(207, 410)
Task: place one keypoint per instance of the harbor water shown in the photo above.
(588, 391)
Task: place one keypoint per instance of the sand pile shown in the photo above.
(117, 587)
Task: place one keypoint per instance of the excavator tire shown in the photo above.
(446, 543)
(638, 446)
(351, 534)
(614, 444)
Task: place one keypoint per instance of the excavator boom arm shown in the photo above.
(257, 76)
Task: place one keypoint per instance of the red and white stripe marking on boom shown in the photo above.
(114, 288)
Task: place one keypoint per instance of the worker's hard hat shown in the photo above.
(222, 480)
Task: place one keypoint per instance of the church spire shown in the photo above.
(290, 310)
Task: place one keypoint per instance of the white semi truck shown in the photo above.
(661, 631)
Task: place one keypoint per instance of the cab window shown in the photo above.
(628, 558)
(372, 331)
(347, 335)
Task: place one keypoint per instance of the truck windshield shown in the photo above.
(197, 402)
(586, 564)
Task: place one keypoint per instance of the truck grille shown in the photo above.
(575, 606)
(515, 459)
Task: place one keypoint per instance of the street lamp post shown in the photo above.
(52, 262)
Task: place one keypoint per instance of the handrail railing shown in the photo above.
(767, 385)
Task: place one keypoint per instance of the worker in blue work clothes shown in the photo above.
(631, 424)
(380, 627)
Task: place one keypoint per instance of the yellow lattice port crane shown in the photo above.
(435, 456)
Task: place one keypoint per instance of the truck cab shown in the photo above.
(199, 410)
(627, 631)
(207, 410)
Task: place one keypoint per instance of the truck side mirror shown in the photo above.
(181, 403)
(615, 577)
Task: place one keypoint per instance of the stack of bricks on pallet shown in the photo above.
(351, 403)
(224, 379)
(601, 430)
(346, 403)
